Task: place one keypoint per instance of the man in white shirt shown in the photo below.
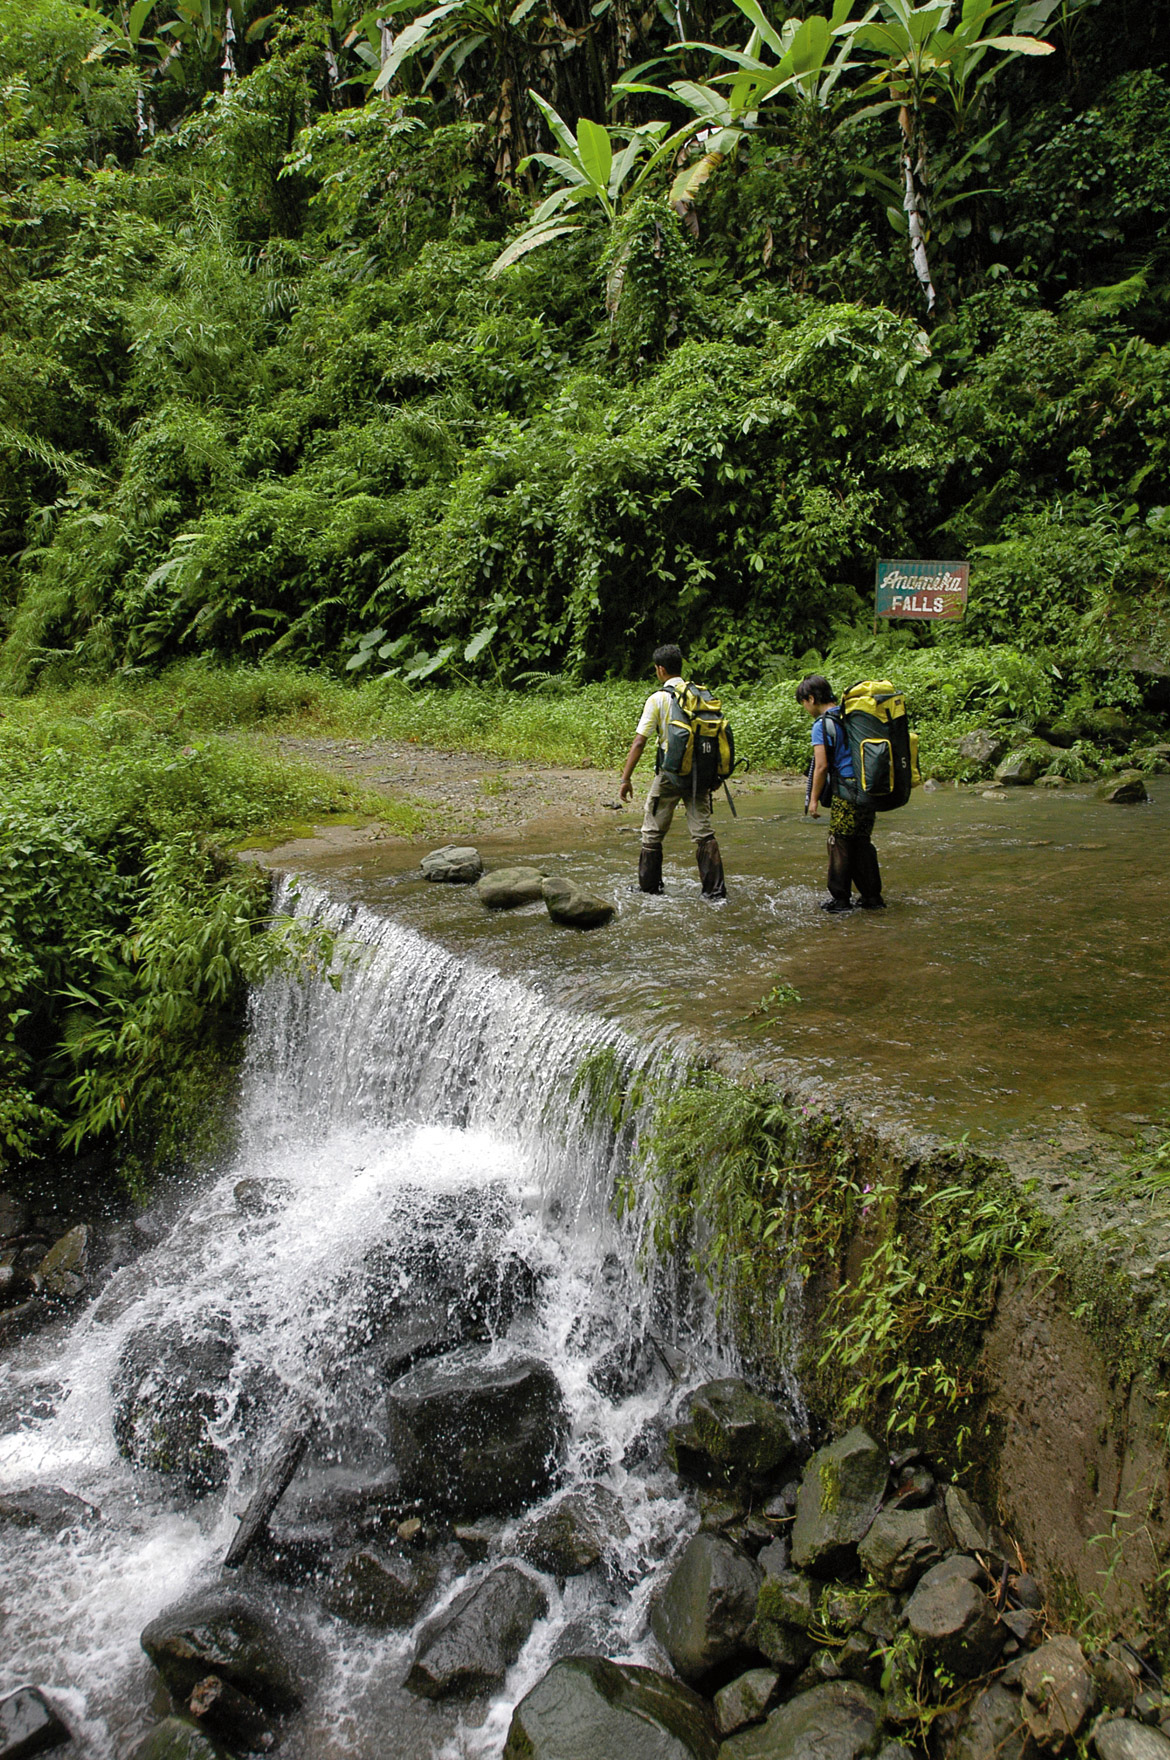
(667, 789)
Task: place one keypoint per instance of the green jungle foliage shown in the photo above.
(263, 395)
(128, 935)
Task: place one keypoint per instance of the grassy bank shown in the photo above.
(949, 689)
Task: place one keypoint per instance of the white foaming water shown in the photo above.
(417, 1135)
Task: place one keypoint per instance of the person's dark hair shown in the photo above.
(816, 686)
(669, 657)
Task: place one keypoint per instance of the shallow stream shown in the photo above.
(1023, 964)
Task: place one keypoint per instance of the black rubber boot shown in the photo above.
(650, 868)
(867, 876)
(840, 880)
(710, 870)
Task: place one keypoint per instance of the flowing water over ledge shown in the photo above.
(1022, 969)
(426, 1139)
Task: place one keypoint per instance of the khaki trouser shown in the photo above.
(666, 793)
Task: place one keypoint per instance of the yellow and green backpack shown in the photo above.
(700, 746)
(872, 717)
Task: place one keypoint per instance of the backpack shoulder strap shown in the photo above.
(831, 720)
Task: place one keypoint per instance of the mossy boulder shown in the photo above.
(838, 1720)
(178, 1738)
(587, 1708)
(702, 1615)
(573, 907)
(505, 888)
(746, 1437)
(840, 1495)
(1127, 790)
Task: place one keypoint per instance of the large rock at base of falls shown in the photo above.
(456, 864)
(475, 1431)
(586, 1708)
(902, 1543)
(953, 1621)
(1058, 1693)
(839, 1497)
(994, 1729)
(229, 1635)
(168, 1389)
(46, 1508)
(382, 1588)
(701, 1616)
(737, 1436)
(1122, 1738)
(28, 1724)
(574, 1533)
(504, 888)
(837, 1721)
(573, 907)
(469, 1647)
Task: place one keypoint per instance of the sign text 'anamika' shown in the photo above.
(921, 589)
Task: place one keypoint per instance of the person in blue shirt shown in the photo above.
(852, 857)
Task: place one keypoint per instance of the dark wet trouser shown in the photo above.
(852, 858)
(665, 795)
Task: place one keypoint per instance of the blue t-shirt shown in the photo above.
(839, 756)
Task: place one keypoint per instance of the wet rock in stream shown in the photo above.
(574, 1533)
(48, 1509)
(468, 1648)
(381, 1587)
(169, 1388)
(475, 1430)
(453, 865)
(505, 888)
(231, 1636)
(178, 1738)
(229, 1716)
(573, 907)
(587, 1708)
(702, 1615)
(837, 1721)
(28, 1724)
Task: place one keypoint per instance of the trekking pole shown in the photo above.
(730, 800)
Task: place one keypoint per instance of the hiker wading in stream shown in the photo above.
(667, 791)
(852, 857)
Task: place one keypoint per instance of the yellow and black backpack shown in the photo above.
(700, 746)
(872, 717)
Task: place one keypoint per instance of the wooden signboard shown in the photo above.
(921, 589)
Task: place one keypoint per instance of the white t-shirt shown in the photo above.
(656, 715)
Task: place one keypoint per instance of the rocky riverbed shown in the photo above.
(827, 1606)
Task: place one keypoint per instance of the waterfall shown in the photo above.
(420, 1129)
